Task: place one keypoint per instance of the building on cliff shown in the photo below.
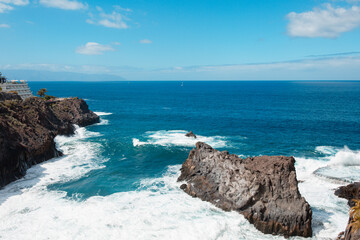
(21, 87)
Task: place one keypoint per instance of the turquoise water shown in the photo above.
(118, 178)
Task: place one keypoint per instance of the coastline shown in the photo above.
(29, 128)
(88, 185)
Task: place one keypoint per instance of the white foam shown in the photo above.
(342, 165)
(320, 177)
(346, 157)
(328, 150)
(157, 210)
(103, 113)
(178, 138)
(330, 213)
(137, 142)
(102, 122)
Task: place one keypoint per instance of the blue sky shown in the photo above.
(184, 40)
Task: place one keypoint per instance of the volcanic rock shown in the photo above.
(264, 189)
(28, 129)
(9, 96)
(349, 192)
(190, 134)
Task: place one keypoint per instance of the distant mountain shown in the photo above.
(34, 75)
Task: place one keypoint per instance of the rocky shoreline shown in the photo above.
(264, 189)
(28, 129)
(350, 192)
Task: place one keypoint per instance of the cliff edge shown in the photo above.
(264, 189)
(28, 129)
(350, 192)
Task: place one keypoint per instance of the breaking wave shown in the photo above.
(340, 164)
(103, 121)
(178, 138)
(103, 113)
(346, 157)
(158, 209)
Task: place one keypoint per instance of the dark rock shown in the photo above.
(349, 192)
(8, 96)
(190, 134)
(28, 129)
(264, 189)
(341, 236)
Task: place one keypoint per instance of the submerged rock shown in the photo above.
(349, 192)
(190, 134)
(264, 189)
(28, 129)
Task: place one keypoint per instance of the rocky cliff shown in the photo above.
(349, 192)
(264, 189)
(28, 129)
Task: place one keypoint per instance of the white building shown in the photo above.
(21, 87)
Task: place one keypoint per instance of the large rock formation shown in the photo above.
(28, 129)
(263, 189)
(349, 192)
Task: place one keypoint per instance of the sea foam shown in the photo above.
(103, 113)
(346, 157)
(342, 165)
(178, 138)
(158, 209)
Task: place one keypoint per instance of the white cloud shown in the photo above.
(93, 48)
(3, 25)
(16, 2)
(64, 4)
(145, 41)
(117, 7)
(7, 5)
(4, 7)
(332, 68)
(327, 22)
(348, 1)
(115, 19)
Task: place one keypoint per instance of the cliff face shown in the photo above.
(263, 189)
(28, 129)
(349, 192)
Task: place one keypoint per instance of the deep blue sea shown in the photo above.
(117, 179)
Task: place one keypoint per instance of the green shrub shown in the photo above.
(42, 92)
(48, 97)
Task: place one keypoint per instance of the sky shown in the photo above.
(183, 39)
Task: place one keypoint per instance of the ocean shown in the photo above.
(117, 179)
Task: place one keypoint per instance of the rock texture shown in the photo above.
(190, 134)
(349, 192)
(9, 96)
(28, 129)
(264, 189)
